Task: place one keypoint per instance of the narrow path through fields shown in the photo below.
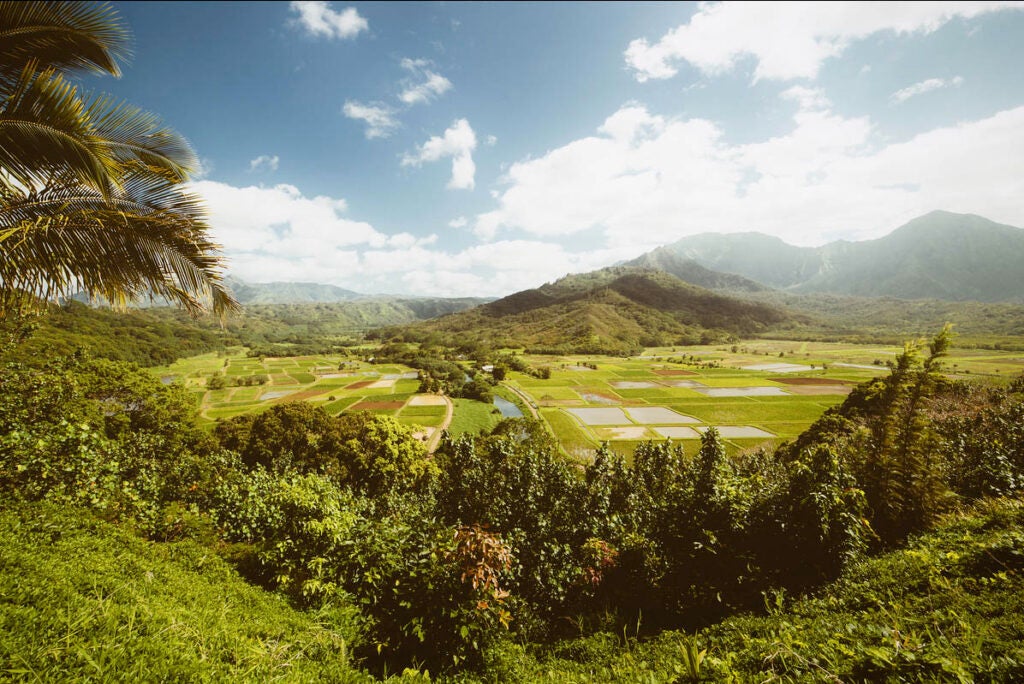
(435, 439)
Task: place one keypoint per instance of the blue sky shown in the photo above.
(481, 148)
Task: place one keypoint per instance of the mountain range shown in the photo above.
(940, 255)
(614, 310)
(287, 293)
(712, 287)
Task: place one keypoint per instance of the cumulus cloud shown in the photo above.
(428, 86)
(458, 142)
(277, 233)
(264, 162)
(460, 222)
(787, 40)
(318, 19)
(644, 180)
(925, 86)
(380, 119)
(280, 220)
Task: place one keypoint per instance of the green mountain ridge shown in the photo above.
(612, 310)
(941, 255)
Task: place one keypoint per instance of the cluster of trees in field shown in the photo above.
(437, 560)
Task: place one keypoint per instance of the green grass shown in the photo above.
(472, 417)
(83, 600)
(423, 411)
(423, 421)
(573, 439)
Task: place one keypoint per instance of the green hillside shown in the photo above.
(688, 270)
(84, 600)
(615, 310)
(148, 337)
(160, 335)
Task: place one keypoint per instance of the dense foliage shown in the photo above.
(150, 337)
(444, 562)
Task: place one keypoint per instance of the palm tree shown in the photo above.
(91, 190)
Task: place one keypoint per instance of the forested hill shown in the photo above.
(940, 255)
(148, 337)
(614, 310)
(159, 335)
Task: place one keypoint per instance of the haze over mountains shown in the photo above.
(940, 255)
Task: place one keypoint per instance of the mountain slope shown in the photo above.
(614, 310)
(941, 255)
(287, 293)
(690, 271)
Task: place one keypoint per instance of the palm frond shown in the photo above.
(45, 130)
(117, 257)
(91, 195)
(67, 36)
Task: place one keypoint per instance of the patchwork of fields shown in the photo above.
(755, 393)
(335, 383)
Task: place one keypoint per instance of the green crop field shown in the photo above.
(790, 386)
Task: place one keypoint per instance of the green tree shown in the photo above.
(91, 194)
(899, 466)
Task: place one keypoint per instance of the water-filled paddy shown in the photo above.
(658, 415)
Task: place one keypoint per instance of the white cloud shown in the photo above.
(787, 40)
(318, 19)
(281, 220)
(925, 86)
(491, 140)
(279, 234)
(380, 120)
(458, 142)
(460, 222)
(644, 181)
(264, 161)
(431, 85)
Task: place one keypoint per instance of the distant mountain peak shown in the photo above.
(940, 255)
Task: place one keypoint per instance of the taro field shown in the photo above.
(755, 393)
(335, 383)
